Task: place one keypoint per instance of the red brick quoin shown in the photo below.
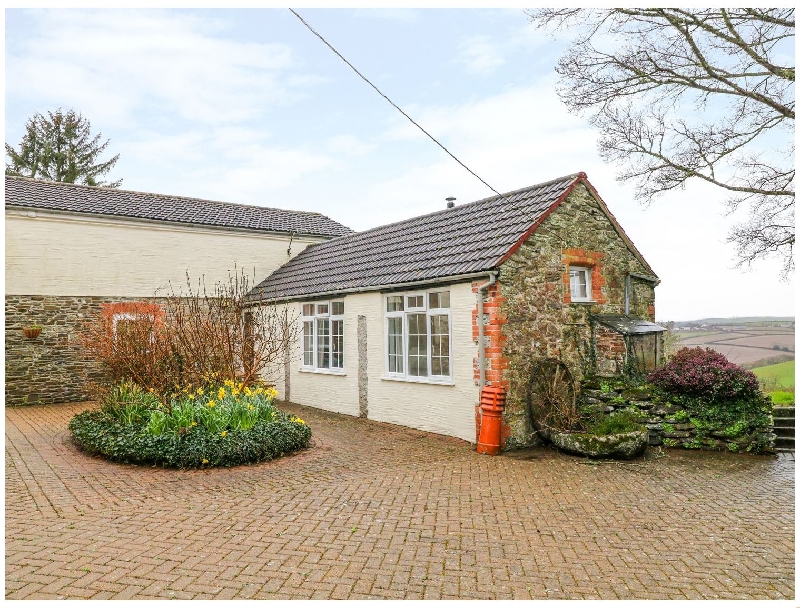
(590, 259)
(495, 341)
(138, 309)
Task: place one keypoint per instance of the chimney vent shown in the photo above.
(451, 202)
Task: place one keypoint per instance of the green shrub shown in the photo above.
(706, 374)
(216, 424)
(99, 433)
(624, 421)
(782, 397)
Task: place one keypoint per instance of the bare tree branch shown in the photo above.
(681, 94)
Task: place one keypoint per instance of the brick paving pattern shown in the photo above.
(380, 511)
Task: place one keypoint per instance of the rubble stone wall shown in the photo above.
(50, 368)
(541, 320)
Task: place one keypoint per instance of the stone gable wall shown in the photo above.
(542, 322)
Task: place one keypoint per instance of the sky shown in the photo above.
(248, 106)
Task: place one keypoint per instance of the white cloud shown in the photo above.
(109, 64)
(349, 145)
(480, 55)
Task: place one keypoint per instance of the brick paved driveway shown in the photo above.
(376, 510)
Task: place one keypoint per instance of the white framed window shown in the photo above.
(418, 335)
(580, 284)
(323, 336)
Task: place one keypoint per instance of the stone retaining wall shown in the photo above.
(50, 368)
(667, 427)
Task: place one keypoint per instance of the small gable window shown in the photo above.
(323, 336)
(580, 284)
(418, 336)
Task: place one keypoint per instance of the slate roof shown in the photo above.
(466, 239)
(628, 325)
(59, 196)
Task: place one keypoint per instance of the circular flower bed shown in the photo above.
(223, 425)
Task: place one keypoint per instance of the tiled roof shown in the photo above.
(466, 239)
(58, 196)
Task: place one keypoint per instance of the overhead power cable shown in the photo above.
(415, 123)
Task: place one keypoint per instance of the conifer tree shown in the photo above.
(60, 147)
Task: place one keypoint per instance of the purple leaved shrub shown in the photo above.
(707, 374)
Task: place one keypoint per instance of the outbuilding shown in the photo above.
(406, 322)
(75, 251)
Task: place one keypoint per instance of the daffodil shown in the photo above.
(248, 392)
(221, 393)
(194, 423)
(205, 460)
(224, 433)
(211, 403)
(252, 408)
(200, 391)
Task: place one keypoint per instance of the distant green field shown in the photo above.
(781, 373)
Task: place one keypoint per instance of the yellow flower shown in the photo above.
(252, 408)
(205, 460)
(228, 383)
(200, 391)
(248, 392)
(221, 393)
(224, 433)
(211, 403)
(191, 397)
(194, 423)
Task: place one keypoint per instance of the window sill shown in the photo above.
(327, 372)
(583, 302)
(419, 380)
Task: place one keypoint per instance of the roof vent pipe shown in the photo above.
(451, 202)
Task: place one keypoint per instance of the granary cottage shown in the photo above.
(403, 323)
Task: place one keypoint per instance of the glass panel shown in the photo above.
(323, 343)
(439, 299)
(577, 283)
(417, 345)
(322, 309)
(395, 344)
(308, 342)
(337, 308)
(337, 343)
(440, 345)
(308, 310)
(416, 301)
(394, 303)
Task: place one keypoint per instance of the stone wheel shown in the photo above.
(551, 397)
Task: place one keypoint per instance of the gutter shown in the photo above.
(642, 277)
(83, 216)
(481, 346)
(457, 278)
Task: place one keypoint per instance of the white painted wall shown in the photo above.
(73, 255)
(445, 409)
